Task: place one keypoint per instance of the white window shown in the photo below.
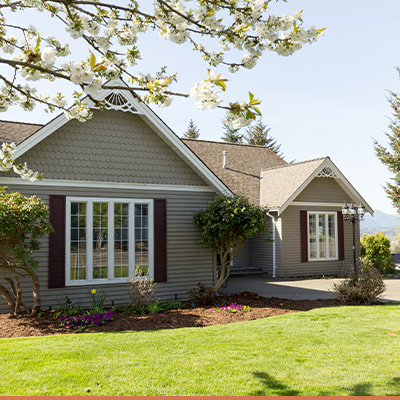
(107, 238)
(322, 236)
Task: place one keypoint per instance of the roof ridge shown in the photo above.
(297, 163)
(237, 144)
(21, 123)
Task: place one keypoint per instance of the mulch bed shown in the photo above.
(260, 307)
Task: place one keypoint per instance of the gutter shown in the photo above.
(273, 246)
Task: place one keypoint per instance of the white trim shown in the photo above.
(89, 239)
(273, 245)
(318, 258)
(343, 182)
(106, 185)
(312, 204)
(151, 118)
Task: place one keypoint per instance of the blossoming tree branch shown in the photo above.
(109, 30)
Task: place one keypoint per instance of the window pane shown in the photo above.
(312, 232)
(78, 241)
(100, 240)
(141, 241)
(121, 244)
(322, 235)
(332, 237)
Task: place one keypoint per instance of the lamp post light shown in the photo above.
(352, 215)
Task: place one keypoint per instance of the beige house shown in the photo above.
(122, 189)
(305, 200)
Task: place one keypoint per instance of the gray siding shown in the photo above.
(320, 190)
(324, 190)
(187, 262)
(261, 252)
(258, 253)
(113, 146)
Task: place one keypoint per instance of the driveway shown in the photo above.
(297, 289)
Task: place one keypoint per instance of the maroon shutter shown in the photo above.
(57, 243)
(340, 226)
(304, 236)
(160, 240)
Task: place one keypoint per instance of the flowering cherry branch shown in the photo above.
(110, 31)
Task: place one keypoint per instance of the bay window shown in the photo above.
(106, 239)
(322, 236)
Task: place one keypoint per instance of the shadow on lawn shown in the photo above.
(271, 383)
(280, 389)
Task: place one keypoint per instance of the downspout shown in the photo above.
(273, 246)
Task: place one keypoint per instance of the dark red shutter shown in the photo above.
(340, 226)
(160, 240)
(57, 243)
(304, 236)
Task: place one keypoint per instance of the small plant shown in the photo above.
(233, 308)
(142, 290)
(82, 322)
(365, 288)
(66, 306)
(154, 307)
(97, 301)
(202, 295)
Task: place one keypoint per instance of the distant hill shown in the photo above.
(381, 221)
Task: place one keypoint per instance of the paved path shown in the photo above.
(297, 289)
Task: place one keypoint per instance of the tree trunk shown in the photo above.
(36, 288)
(7, 297)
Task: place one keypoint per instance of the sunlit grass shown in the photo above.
(331, 351)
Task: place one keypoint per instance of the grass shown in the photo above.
(332, 351)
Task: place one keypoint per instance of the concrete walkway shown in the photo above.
(297, 289)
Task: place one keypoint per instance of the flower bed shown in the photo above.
(89, 320)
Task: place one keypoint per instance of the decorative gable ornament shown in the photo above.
(116, 101)
(326, 173)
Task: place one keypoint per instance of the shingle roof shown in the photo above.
(16, 132)
(243, 164)
(279, 184)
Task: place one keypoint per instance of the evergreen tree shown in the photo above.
(192, 131)
(391, 156)
(258, 135)
(232, 135)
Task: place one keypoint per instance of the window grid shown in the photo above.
(78, 241)
(109, 235)
(322, 236)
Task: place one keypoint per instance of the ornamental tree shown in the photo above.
(23, 220)
(225, 225)
(108, 33)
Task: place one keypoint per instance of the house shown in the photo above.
(122, 189)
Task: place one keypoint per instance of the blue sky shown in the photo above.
(328, 99)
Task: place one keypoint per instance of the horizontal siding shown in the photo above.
(324, 190)
(291, 247)
(261, 252)
(187, 262)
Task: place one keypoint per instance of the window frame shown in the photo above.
(89, 238)
(326, 214)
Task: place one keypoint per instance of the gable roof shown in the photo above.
(243, 164)
(121, 100)
(16, 132)
(280, 186)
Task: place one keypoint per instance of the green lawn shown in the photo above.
(331, 351)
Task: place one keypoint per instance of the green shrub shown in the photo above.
(365, 288)
(202, 295)
(375, 250)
